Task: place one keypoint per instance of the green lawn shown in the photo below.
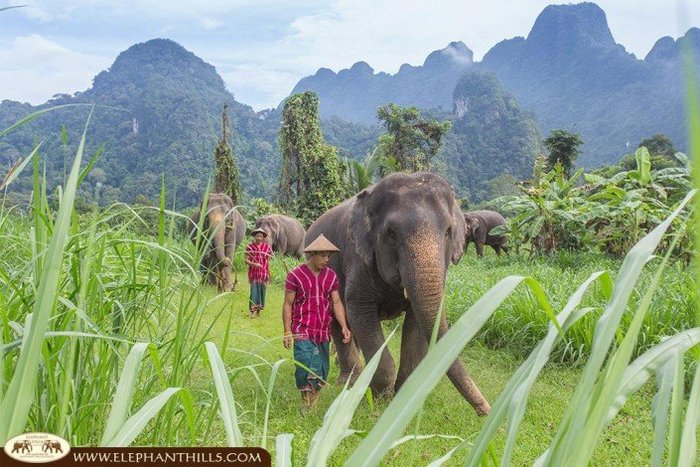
(254, 341)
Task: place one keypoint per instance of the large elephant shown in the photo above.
(397, 239)
(225, 227)
(284, 234)
(479, 224)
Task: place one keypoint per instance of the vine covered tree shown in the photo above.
(226, 175)
(411, 140)
(563, 147)
(310, 178)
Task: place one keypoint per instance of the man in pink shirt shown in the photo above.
(310, 290)
(257, 257)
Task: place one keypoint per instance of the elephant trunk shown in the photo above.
(223, 263)
(424, 279)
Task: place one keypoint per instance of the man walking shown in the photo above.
(311, 289)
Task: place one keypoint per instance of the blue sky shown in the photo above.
(262, 48)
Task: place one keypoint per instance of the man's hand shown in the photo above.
(347, 335)
(288, 339)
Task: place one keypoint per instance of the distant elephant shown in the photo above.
(479, 224)
(397, 239)
(284, 234)
(226, 227)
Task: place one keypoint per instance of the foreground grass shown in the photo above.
(253, 340)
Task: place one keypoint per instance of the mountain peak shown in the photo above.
(568, 27)
(456, 53)
(666, 48)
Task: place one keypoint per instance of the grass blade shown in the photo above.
(223, 389)
(688, 447)
(339, 415)
(659, 409)
(134, 425)
(283, 450)
(17, 169)
(125, 391)
(270, 387)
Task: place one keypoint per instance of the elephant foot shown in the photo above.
(348, 375)
(482, 409)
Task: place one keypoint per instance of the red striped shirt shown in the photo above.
(259, 253)
(311, 311)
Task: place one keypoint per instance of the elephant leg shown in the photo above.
(367, 330)
(504, 248)
(347, 356)
(413, 348)
(497, 249)
(479, 249)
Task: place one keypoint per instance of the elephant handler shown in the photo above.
(257, 257)
(310, 290)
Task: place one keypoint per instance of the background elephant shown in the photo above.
(225, 227)
(397, 239)
(284, 234)
(479, 224)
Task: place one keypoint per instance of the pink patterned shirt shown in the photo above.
(259, 253)
(311, 311)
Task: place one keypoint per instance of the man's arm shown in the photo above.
(287, 317)
(339, 311)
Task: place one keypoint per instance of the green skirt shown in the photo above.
(313, 363)
(257, 294)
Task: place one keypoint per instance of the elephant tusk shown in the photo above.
(405, 293)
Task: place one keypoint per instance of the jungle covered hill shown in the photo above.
(159, 112)
(568, 71)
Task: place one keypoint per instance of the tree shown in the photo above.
(563, 149)
(310, 178)
(411, 140)
(226, 178)
(659, 145)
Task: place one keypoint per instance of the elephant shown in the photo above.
(397, 238)
(479, 224)
(226, 227)
(284, 234)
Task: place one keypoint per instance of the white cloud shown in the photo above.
(209, 23)
(263, 47)
(34, 69)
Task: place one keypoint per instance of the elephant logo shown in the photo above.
(23, 445)
(37, 447)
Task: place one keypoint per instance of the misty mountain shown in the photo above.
(569, 72)
(158, 110)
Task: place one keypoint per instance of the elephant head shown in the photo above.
(472, 226)
(410, 228)
(218, 227)
(271, 226)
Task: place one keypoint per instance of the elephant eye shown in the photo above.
(448, 232)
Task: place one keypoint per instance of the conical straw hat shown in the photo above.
(320, 244)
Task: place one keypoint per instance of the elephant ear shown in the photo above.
(359, 227)
(459, 230)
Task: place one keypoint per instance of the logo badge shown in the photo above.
(37, 448)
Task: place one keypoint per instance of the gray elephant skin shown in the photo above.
(397, 239)
(479, 224)
(284, 234)
(224, 227)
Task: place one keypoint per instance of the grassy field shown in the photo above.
(492, 363)
(120, 286)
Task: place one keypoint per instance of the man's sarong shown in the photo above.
(316, 358)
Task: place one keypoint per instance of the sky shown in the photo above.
(262, 48)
